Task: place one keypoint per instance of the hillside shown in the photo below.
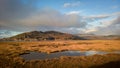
(39, 35)
(99, 37)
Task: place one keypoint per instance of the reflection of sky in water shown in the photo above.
(87, 53)
(118, 52)
(37, 55)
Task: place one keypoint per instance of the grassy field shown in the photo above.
(10, 54)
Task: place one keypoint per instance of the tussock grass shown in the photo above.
(10, 51)
(95, 61)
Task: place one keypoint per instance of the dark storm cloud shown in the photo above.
(46, 17)
(11, 9)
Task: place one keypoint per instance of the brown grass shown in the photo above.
(51, 46)
(10, 51)
(75, 62)
(95, 61)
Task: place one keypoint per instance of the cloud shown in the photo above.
(13, 9)
(107, 24)
(114, 7)
(74, 12)
(17, 16)
(101, 17)
(112, 27)
(50, 17)
(44, 19)
(21, 15)
(6, 33)
(90, 30)
(74, 4)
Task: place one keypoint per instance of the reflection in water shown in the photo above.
(37, 55)
(87, 53)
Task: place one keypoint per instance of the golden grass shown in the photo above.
(95, 61)
(10, 51)
(53, 46)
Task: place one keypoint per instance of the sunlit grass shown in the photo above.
(10, 53)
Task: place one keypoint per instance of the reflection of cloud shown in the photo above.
(90, 52)
(94, 52)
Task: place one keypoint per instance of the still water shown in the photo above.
(38, 55)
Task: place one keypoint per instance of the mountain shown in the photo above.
(55, 35)
(99, 37)
(39, 35)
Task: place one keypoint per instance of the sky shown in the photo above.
(100, 17)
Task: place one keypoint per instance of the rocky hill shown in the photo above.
(39, 36)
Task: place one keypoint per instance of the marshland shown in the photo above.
(59, 33)
(11, 54)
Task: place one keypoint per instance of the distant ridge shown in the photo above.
(98, 37)
(55, 35)
(39, 36)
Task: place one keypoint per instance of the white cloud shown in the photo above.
(99, 16)
(109, 28)
(53, 18)
(6, 33)
(74, 12)
(90, 30)
(103, 24)
(74, 4)
(103, 16)
(66, 5)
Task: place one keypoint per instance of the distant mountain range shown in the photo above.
(99, 37)
(54, 35)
